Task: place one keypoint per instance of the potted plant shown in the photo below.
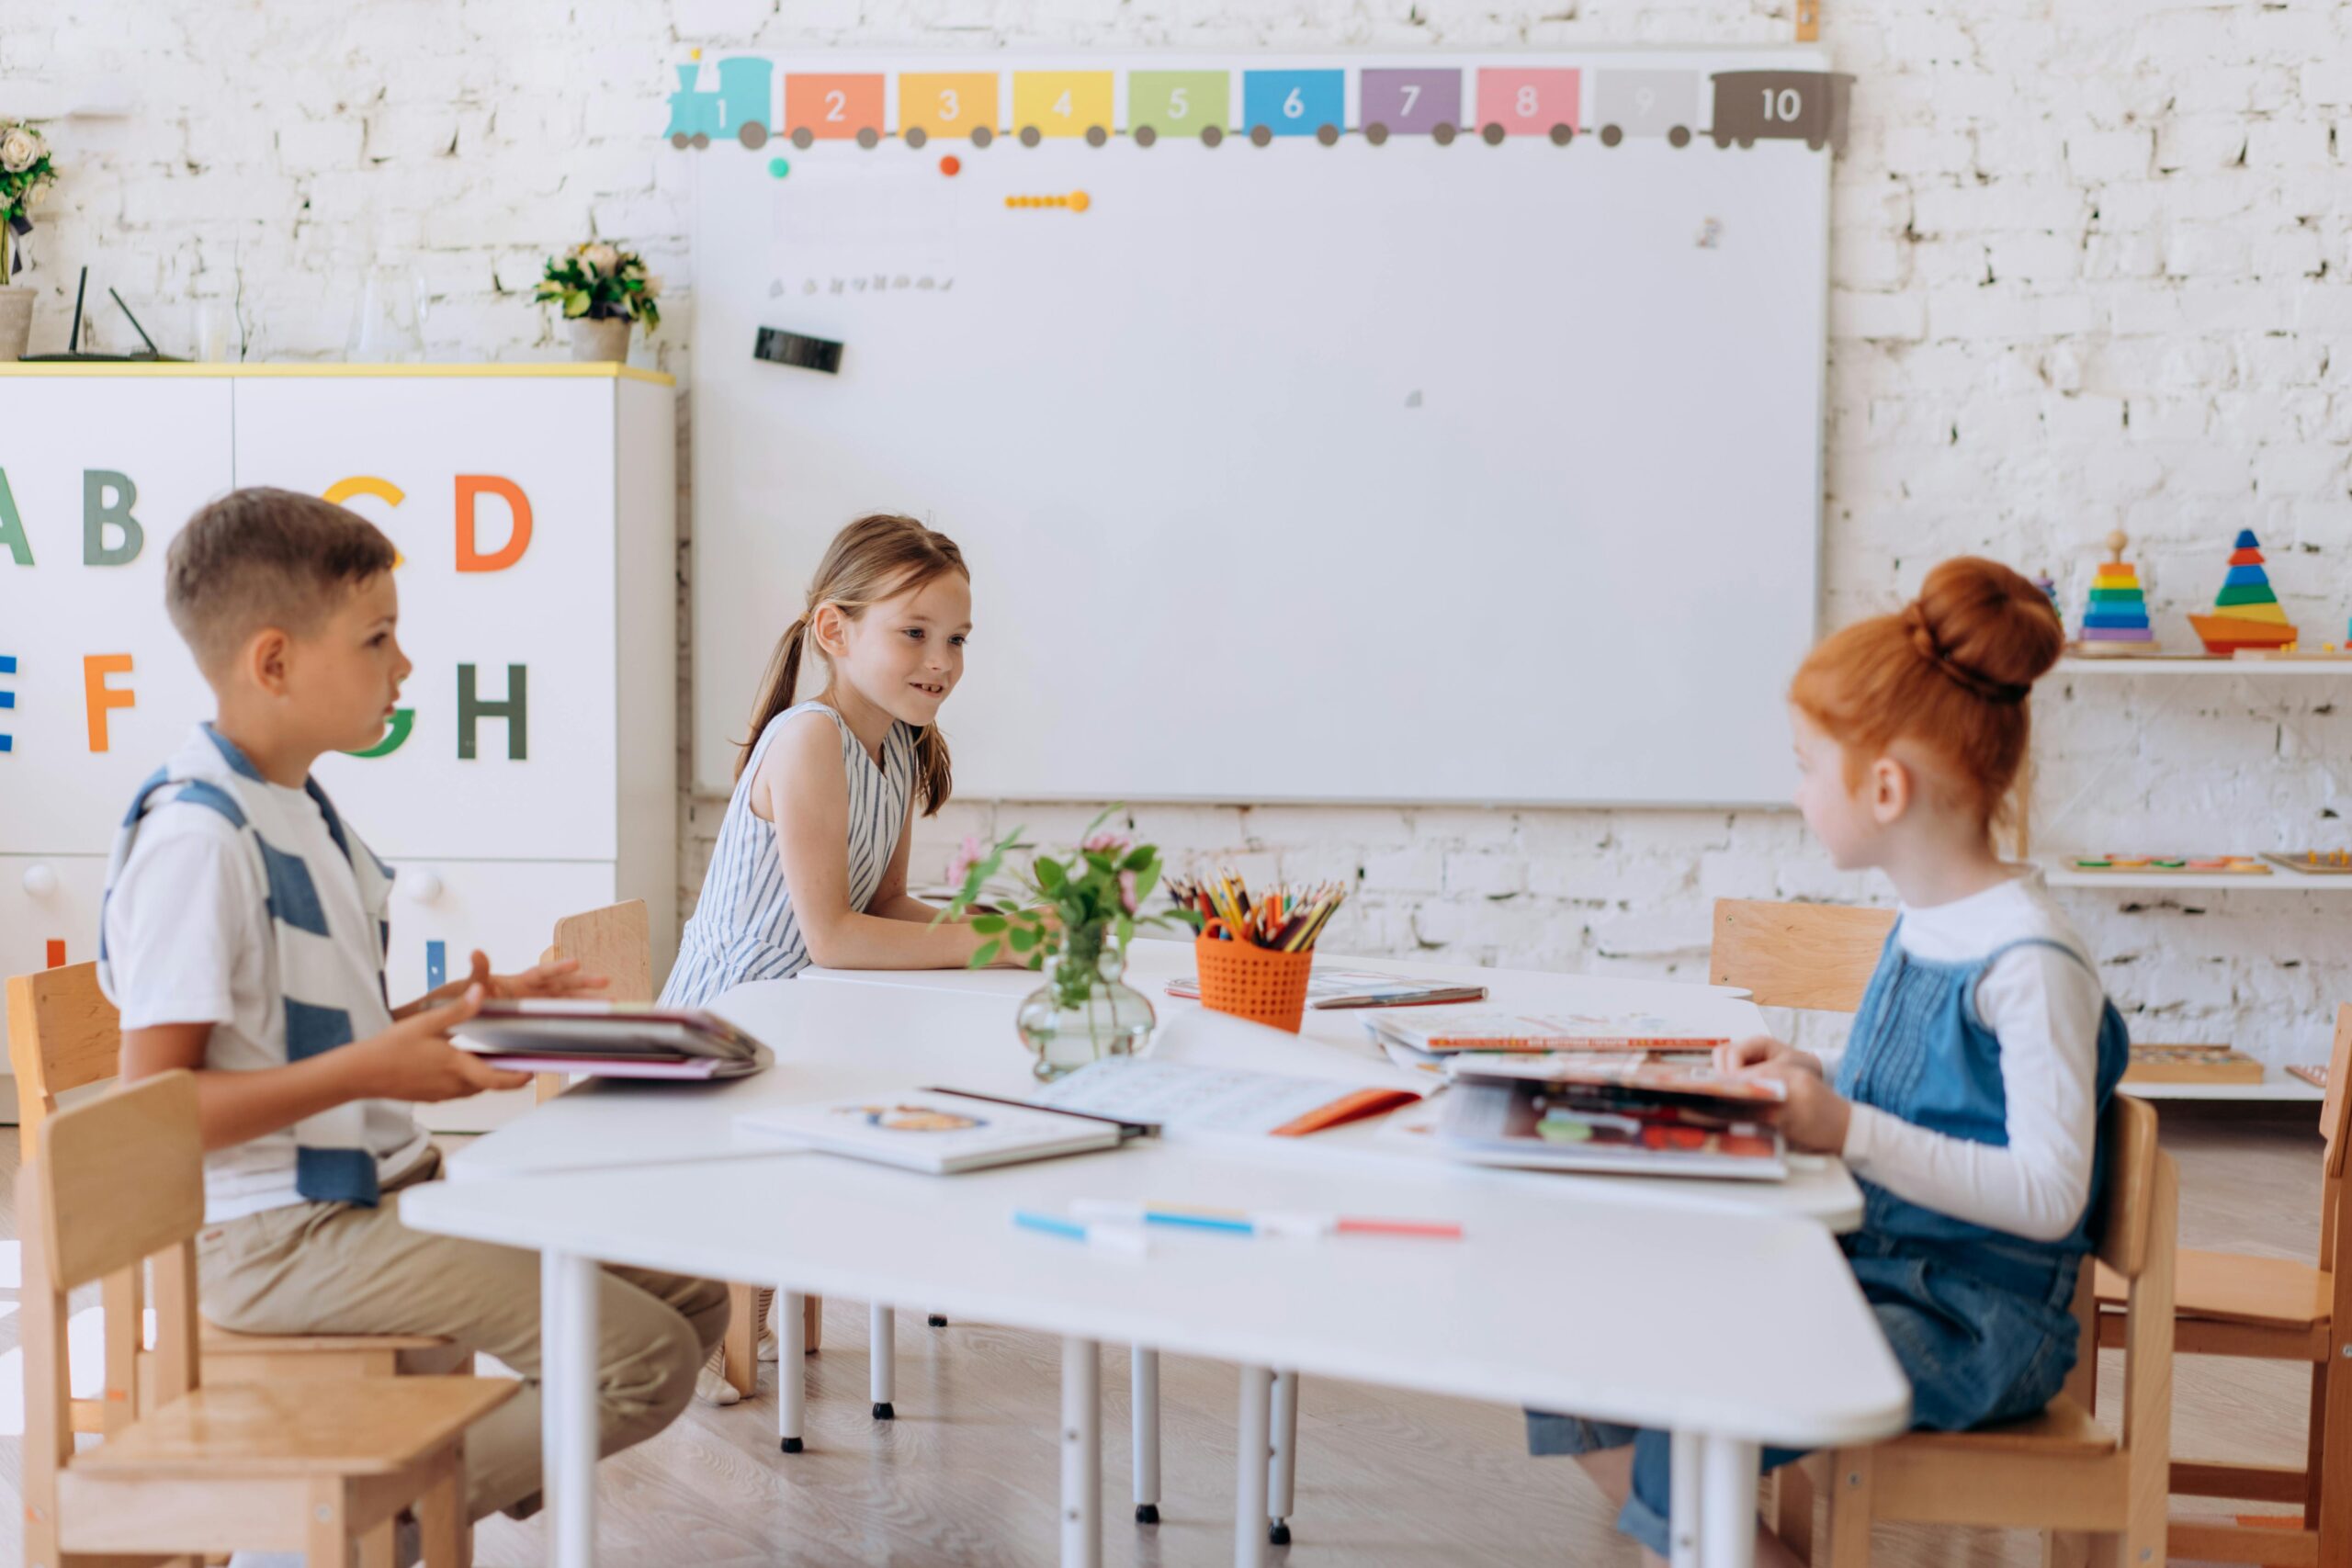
(26, 175)
(1075, 916)
(603, 290)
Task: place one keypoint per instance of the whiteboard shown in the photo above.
(1321, 469)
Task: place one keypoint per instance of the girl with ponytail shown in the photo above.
(810, 866)
(1968, 1099)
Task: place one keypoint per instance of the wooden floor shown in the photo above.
(969, 1471)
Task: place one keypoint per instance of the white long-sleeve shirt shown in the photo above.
(2044, 1007)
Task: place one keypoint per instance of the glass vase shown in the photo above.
(1084, 1012)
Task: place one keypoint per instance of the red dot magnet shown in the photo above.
(950, 166)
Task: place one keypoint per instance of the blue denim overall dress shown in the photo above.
(1978, 1318)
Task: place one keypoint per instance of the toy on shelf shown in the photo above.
(2313, 1074)
(2190, 1063)
(2245, 612)
(2115, 621)
(2313, 862)
(2171, 866)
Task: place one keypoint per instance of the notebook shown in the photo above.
(933, 1131)
(1189, 1098)
(1334, 989)
(1629, 1115)
(612, 1039)
(1441, 1030)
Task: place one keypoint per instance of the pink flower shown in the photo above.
(1127, 891)
(960, 864)
(1107, 843)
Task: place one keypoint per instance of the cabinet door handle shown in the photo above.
(39, 880)
(422, 886)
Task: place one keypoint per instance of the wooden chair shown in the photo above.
(1816, 956)
(2271, 1310)
(2060, 1472)
(63, 1035)
(616, 941)
(119, 1185)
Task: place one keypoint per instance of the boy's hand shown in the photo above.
(1814, 1117)
(1762, 1050)
(561, 979)
(413, 1060)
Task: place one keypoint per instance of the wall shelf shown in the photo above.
(2280, 880)
(2192, 664)
(2277, 1086)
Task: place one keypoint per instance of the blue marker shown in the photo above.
(1126, 1241)
(436, 964)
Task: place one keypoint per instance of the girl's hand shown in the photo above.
(1814, 1116)
(1762, 1050)
(561, 979)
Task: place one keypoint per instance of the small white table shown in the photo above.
(1609, 1308)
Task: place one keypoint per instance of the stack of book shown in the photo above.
(1628, 1112)
(1430, 1035)
(612, 1040)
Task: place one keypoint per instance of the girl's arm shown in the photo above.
(801, 789)
(2045, 1007)
(891, 901)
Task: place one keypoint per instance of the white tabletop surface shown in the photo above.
(1742, 1324)
(833, 1040)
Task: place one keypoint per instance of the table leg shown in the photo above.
(1250, 1488)
(568, 1329)
(1081, 1454)
(882, 1368)
(1282, 1472)
(1728, 1472)
(1682, 1511)
(791, 1371)
(1144, 1402)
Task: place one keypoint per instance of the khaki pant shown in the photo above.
(338, 1269)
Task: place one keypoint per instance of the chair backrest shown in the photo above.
(63, 1035)
(2141, 1226)
(1818, 956)
(119, 1183)
(615, 942)
(2336, 1127)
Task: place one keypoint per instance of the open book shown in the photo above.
(1215, 1074)
(1629, 1114)
(611, 1040)
(934, 1130)
(1442, 1031)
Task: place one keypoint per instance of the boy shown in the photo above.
(243, 939)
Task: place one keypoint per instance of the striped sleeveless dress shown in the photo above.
(743, 926)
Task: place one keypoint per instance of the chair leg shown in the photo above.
(2065, 1549)
(1850, 1508)
(441, 1515)
(812, 1325)
(739, 1354)
(1792, 1509)
(882, 1368)
(327, 1527)
(2331, 1460)
(379, 1547)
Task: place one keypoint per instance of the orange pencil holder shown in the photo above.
(1260, 984)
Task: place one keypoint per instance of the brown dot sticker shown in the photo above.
(1610, 135)
(982, 136)
(1261, 135)
(1145, 136)
(1031, 136)
(1375, 133)
(1493, 134)
(1327, 134)
(868, 137)
(1563, 134)
(916, 136)
(803, 136)
(753, 134)
(1211, 135)
(1096, 136)
(1444, 134)
(702, 139)
(681, 141)
(1678, 137)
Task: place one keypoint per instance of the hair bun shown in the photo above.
(1988, 627)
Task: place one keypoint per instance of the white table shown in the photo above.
(1609, 1307)
(866, 1034)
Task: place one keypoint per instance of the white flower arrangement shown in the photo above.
(602, 281)
(26, 175)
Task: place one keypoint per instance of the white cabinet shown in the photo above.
(532, 771)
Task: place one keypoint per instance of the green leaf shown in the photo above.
(1051, 877)
(988, 925)
(1127, 930)
(576, 302)
(1023, 938)
(1036, 961)
(1139, 857)
(1145, 883)
(986, 955)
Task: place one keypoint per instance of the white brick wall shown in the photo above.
(2088, 270)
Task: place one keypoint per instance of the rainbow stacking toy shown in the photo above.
(2116, 620)
(2246, 613)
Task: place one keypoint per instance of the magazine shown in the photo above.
(1602, 1113)
(615, 1039)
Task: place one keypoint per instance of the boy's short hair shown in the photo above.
(264, 557)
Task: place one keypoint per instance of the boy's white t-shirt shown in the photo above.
(187, 931)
